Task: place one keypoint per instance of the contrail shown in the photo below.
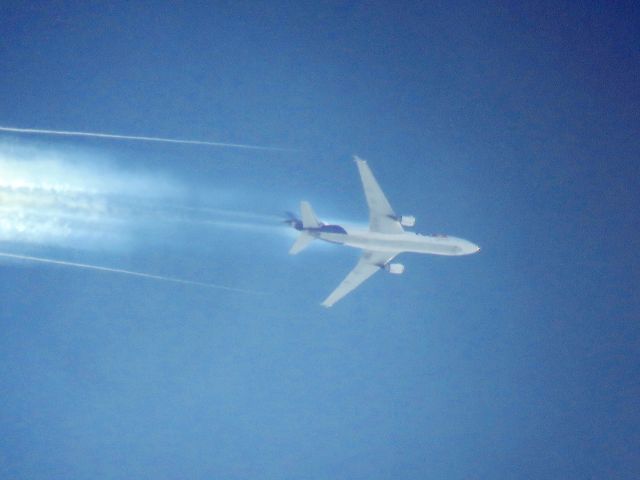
(142, 138)
(125, 272)
(229, 213)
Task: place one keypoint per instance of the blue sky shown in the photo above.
(513, 126)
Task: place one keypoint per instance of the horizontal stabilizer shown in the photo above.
(301, 243)
(309, 219)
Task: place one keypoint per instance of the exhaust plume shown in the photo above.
(76, 199)
(49, 197)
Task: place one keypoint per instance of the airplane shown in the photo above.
(385, 239)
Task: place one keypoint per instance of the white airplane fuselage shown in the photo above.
(380, 244)
(409, 242)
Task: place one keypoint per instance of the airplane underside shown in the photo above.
(385, 239)
(409, 243)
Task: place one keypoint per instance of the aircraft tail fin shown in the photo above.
(309, 219)
(301, 243)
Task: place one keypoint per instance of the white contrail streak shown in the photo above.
(227, 212)
(141, 138)
(124, 272)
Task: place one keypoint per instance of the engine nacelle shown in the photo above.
(407, 220)
(395, 268)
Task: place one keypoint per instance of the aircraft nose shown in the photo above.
(473, 248)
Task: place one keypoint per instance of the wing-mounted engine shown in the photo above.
(405, 220)
(394, 268)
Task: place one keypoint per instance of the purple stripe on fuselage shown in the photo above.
(331, 229)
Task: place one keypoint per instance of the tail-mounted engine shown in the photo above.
(292, 220)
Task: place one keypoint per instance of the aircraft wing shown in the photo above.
(382, 219)
(370, 262)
